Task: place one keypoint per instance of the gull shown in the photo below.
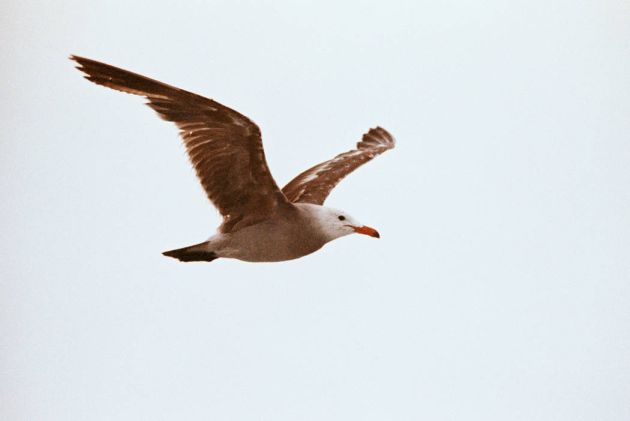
(261, 223)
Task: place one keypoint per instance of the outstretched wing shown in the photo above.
(224, 146)
(315, 184)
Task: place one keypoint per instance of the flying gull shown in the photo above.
(261, 223)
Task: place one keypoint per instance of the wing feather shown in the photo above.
(315, 184)
(224, 146)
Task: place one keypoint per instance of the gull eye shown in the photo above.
(341, 218)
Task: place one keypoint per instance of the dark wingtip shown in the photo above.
(75, 58)
(377, 137)
(80, 64)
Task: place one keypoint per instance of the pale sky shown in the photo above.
(500, 289)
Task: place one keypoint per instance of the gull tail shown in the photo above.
(197, 253)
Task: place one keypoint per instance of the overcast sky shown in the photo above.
(500, 289)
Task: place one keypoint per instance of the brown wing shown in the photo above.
(224, 146)
(316, 183)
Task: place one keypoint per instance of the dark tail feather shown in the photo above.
(196, 253)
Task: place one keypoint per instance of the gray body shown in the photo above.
(293, 233)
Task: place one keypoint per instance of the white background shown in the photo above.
(500, 289)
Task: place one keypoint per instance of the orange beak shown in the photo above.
(367, 231)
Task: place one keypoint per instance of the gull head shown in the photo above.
(335, 223)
